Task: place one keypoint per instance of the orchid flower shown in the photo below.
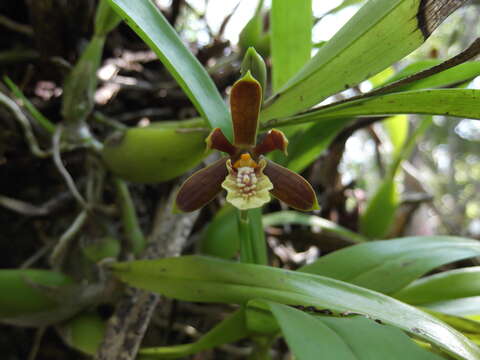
(245, 174)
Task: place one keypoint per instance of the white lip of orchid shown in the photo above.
(246, 181)
(247, 187)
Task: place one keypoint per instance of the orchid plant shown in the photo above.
(246, 175)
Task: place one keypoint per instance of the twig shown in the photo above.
(36, 343)
(13, 25)
(22, 119)
(28, 209)
(22, 207)
(67, 236)
(58, 163)
(225, 21)
(103, 119)
(35, 257)
(126, 327)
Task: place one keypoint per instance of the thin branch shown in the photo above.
(58, 163)
(226, 21)
(22, 207)
(64, 241)
(14, 26)
(35, 257)
(25, 123)
(36, 343)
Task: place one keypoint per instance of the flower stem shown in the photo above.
(246, 246)
(253, 248)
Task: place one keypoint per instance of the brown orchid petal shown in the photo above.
(245, 100)
(291, 188)
(274, 140)
(216, 140)
(200, 188)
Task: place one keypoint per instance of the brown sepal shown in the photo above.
(200, 188)
(245, 100)
(216, 140)
(273, 140)
(291, 188)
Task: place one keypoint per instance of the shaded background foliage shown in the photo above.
(39, 43)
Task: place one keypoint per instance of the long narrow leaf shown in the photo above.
(194, 278)
(458, 283)
(354, 338)
(147, 21)
(452, 102)
(291, 38)
(388, 266)
(294, 217)
(309, 142)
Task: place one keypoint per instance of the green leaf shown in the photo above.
(37, 115)
(447, 285)
(388, 266)
(469, 306)
(397, 129)
(194, 278)
(252, 32)
(294, 217)
(21, 297)
(466, 326)
(309, 142)
(291, 38)
(451, 102)
(38, 298)
(375, 222)
(253, 62)
(377, 219)
(379, 34)
(454, 76)
(343, 5)
(220, 237)
(105, 19)
(84, 332)
(308, 337)
(411, 69)
(229, 330)
(147, 21)
(80, 84)
(355, 338)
